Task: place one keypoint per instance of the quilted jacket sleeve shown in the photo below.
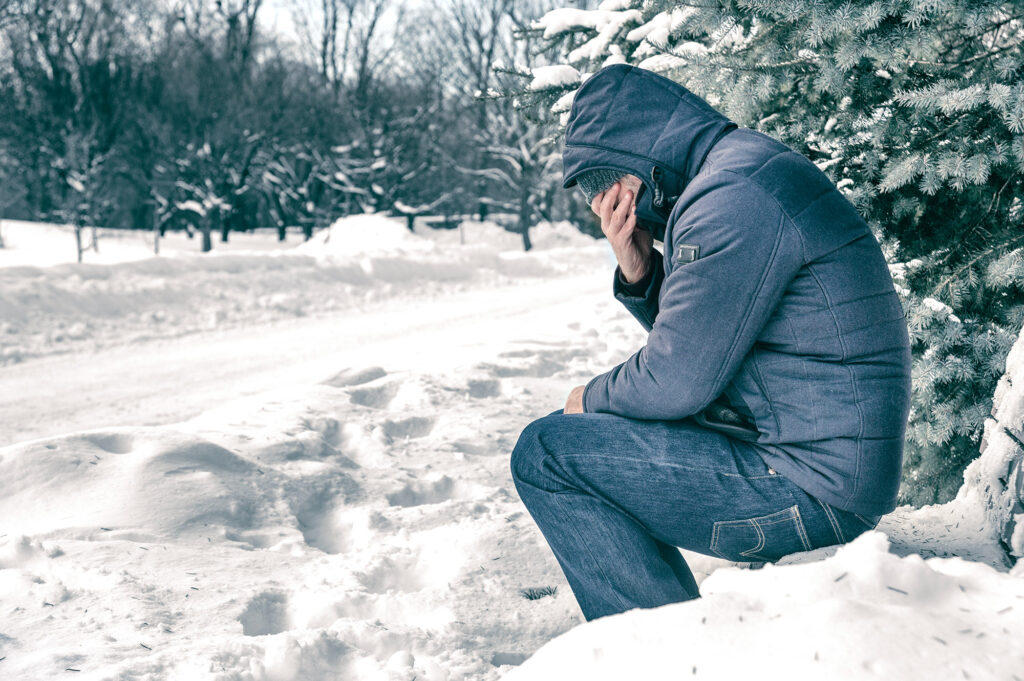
(712, 308)
(641, 297)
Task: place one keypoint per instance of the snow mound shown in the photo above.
(863, 613)
(140, 482)
(547, 235)
(994, 482)
(362, 234)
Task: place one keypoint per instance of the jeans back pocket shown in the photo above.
(768, 537)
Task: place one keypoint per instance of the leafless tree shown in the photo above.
(351, 40)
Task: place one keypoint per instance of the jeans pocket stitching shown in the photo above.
(867, 522)
(840, 537)
(801, 530)
(714, 540)
(792, 514)
(760, 540)
(716, 533)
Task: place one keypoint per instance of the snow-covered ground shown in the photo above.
(275, 465)
(58, 307)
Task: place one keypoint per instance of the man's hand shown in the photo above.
(574, 405)
(632, 246)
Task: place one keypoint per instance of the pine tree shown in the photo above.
(915, 109)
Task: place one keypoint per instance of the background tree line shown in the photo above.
(189, 114)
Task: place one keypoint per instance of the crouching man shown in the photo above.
(766, 413)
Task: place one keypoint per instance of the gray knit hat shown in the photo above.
(593, 182)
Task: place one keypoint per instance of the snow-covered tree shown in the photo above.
(83, 201)
(10, 193)
(525, 166)
(915, 108)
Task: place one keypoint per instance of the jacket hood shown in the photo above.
(633, 120)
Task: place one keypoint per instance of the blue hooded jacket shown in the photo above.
(772, 315)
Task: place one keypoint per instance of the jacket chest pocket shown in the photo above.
(768, 537)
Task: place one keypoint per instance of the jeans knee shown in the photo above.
(527, 461)
(525, 453)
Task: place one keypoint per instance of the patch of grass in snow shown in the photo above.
(534, 592)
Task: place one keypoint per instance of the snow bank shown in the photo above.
(145, 483)
(362, 234)
(544, 236)
(35, 244)
(994, 482)
(863, 613)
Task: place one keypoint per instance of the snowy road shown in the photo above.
(166, 381)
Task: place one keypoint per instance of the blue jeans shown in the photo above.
(615, 496)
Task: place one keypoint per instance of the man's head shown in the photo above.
(627, 118)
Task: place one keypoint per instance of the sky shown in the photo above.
(278, 17)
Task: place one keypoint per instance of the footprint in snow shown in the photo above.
(397, 572)
(413, 426)
(265, 613)
(468, 447)
(422, 492)
(516, 659)
(483, 387)
(533, 364)
(330, 518)
(376, 397)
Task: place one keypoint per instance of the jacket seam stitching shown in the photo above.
(878, 322)
(665, 132)
(866, 296)
(753, 298)
(714, 141)
(853, 384)
(764, 163)
(814, 200)
(750, 180)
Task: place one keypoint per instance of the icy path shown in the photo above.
(165, 381)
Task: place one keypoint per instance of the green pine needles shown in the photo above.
(915, 108)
